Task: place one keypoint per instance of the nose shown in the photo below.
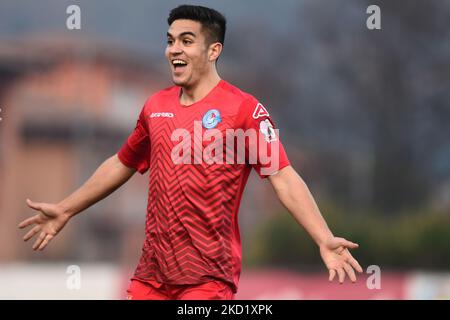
(175, 49)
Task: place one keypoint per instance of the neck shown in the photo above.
(198, 91)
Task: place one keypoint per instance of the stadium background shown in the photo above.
(364, 116)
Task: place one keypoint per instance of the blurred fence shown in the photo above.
(105, 282)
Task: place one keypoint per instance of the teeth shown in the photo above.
(178, 62)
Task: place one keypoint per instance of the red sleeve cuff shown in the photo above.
(282, 165)
(127, 156)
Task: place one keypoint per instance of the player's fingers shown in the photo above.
(44, 243)
(31, 233)
(354, 263)
(39, 240)
(27, 222)
(350, 272)
(332, 274)
(34, 205)
(345, 243)
(341, 275)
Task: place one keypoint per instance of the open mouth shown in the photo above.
(179, 64)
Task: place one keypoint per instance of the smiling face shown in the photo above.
(188, 53)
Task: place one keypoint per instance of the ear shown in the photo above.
(214, 51)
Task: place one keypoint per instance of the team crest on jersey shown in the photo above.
(260, 111)
(266, 128)
(211, 119)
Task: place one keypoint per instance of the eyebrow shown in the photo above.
(186, 33)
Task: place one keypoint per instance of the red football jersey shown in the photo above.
(192, 232)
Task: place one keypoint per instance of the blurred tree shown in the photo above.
(416, 239)
(373, 98)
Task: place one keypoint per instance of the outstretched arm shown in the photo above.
(296, 197)
(52, 217)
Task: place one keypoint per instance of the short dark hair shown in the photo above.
(213, 22)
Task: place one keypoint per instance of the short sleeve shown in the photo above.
(135, 152)
(264, 150)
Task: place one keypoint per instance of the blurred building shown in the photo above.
(67, 105)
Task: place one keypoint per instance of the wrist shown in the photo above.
(65, 210)
(322, 241)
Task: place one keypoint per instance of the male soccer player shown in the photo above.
(193, 248)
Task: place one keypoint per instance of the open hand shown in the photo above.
(49, 221)
(337, 258)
